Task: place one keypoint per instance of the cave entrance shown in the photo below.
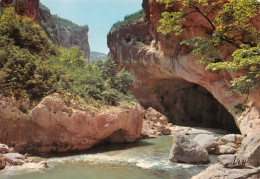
(188, 104)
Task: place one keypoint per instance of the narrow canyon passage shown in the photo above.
(189, 104)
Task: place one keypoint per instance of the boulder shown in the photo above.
(167, 131)
(28, 166)
(4, 148)
(250, 148)
(14, 158)
(218, 171)
(232, 161)
(224, 149)
(186, 150)
(206, 140)
(155, 116)
(2, 163)
(147, 131)
(56, 126)
(231, 138)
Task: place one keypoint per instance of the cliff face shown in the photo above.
(60, 31)
(29, 8)
(169, 80)
(64, 32)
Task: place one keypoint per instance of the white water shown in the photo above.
(147, 158)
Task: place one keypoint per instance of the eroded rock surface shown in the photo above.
(186, 150)
(10, 160)
(52, 126)
(250, 148)
(155, 124)
(206, 140)
(218, 171)
(169, 79)
(65, 35)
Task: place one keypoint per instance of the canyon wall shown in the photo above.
(168, 78)
(61, 31)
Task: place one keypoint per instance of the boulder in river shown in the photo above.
(2, 162)
(225, 149)
(14, 158)
(186, 150)
(206, 140)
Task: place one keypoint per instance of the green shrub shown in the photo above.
(129, 19)
(31, 66)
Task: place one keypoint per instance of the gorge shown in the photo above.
(98, 138)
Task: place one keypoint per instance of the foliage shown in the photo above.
(32, 67)
(231, 24)
(23, 46)
(129, 19)
(123, 81)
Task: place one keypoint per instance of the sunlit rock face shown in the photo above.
(29, 8)
(169, 79)
(55, 126)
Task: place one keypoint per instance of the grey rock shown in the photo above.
(206, 140)
(224, 149)
(232, 161)
(63, 34)
(230, 138)
(250, 148)
(14, 158)
(218, 171)
(186, 150)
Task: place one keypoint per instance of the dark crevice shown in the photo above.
(188, 104)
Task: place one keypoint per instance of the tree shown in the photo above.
(232, 23)
(109, 70)
(123, 81)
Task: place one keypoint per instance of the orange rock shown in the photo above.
(167, 74)
(31, 9)
(52, 126)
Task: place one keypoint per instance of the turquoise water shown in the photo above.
(144, 159)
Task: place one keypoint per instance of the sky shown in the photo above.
(99, 15)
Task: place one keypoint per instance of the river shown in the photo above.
(144, 159)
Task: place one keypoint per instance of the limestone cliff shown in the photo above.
(169, 80)
(61, 31)
(54, 126)
(64, 32)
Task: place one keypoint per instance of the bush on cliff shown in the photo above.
(232, 24)
(129, 19)
(31, 66)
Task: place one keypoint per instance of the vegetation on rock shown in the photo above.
(31, 66)
(129, 19)
(232, 24)
(62, 22)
